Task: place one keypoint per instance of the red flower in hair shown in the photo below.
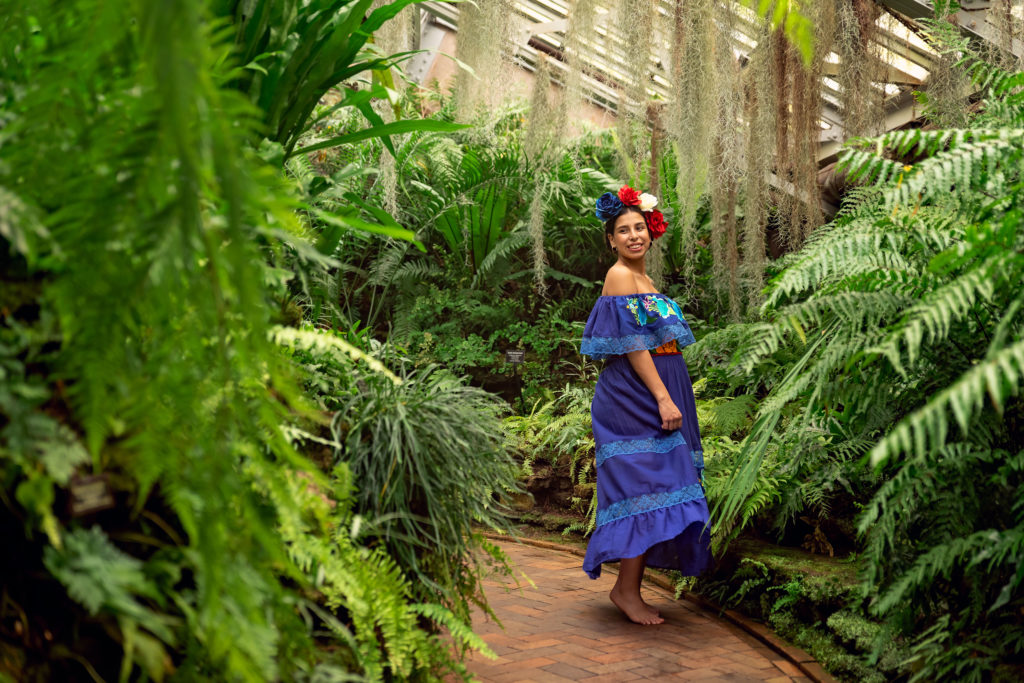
(655, 223)
(629, 196)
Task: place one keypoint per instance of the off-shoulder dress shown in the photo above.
(649, 493)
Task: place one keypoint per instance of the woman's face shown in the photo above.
(629, 237)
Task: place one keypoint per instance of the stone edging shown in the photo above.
(797, 657)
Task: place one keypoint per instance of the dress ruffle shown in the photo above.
(636, 322)
(675, 537)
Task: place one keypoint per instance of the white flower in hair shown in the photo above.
(648, 201)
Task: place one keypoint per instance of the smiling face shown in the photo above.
(628, 236)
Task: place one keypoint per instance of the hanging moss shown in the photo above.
(946, 90)
(581, 35)
(544, 127)
(689, 121)
(729, 154)
(724, 248)
(656, 256)
(1008, 28)
(798, 132)
(635, 25)
(387, 170)
(483, 42)
(541, 145)
(627, 145)
(396, 35)
(859, 59)
(759, 110)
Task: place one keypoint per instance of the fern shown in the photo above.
(931, 320)
(896, 333)
(164, 253)
(330, 344)
(990, 381)
(724, 415)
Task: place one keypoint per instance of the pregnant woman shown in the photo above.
(650, 502)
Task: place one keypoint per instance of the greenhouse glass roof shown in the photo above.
(902, 60)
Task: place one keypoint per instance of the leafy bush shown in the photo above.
(559, 433)
(427, 452)
(814, 604)
(137, 342)
(905, 317)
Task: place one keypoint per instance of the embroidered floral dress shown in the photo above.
(649, 494)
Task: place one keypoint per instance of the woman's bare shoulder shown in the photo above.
(619, 281)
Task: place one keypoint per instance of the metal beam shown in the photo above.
(904, 109)
(430, 39)
(880, 73)
(972, 20)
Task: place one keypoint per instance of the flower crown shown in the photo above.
(611, 206)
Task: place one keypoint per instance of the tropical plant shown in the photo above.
(427, 452)
(558, 432)
(293, 52)
(158, 382)
(137, 344)
(905, 313)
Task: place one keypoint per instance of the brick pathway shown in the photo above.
(565, 629)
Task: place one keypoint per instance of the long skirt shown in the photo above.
(649, 493)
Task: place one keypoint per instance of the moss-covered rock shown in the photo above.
(810, 600)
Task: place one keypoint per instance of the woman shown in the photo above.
(650, 503)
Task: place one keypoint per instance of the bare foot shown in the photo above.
(650, 608)
(635, 609)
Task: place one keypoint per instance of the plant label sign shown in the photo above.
(90, 494)
(515, 356)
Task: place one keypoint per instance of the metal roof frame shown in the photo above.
(901, 60)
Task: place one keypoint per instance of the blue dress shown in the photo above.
(649, 493)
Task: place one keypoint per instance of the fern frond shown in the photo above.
(966, 158)
(459, 630)
(328, 343)
(943, 559)
(997, 377)
(724, 415)
(504, 248)
(930, 320)
(859, 247)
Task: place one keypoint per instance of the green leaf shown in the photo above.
(395, 128)
(786, 13)
(353, 223)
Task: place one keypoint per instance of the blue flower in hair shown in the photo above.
(608, 206)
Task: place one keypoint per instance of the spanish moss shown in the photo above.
(689, 124)
(483, 42)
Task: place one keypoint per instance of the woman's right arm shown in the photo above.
(643, 364)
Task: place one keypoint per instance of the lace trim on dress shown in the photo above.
(655, 444)
(628, 507)
(599, 347)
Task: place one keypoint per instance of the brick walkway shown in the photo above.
(565, 629)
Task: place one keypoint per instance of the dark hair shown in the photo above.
(609, 225)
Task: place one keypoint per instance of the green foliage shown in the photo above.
(154, 279)
(428, 455)
(787, 15)
(327, 540)
(293, 52)
(812, 605)
(559, 433)
(900, 331)
(148, 256)
(466, 198)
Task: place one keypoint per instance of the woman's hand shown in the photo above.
(671, 418)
